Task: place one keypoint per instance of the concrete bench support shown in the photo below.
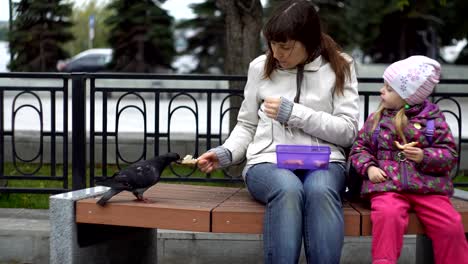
(91, 243)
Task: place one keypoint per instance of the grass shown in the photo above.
(41, 201)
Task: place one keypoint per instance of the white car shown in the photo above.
(92, 60)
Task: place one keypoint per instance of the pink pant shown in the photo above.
(441, 221)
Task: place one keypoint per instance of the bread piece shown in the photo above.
(402, 147)
(189, 160)
(293, 162)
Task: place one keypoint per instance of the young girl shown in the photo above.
(406, 167)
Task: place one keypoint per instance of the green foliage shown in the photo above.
(80, 27)
(402, 4)
(209, 40)
(40, 29)
(390, 30)
(455, 26)
(393, 30)
(140, 35)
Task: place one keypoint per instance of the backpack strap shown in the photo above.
(430, 129)
(375, 135)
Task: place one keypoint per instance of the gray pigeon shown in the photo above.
(137, 177)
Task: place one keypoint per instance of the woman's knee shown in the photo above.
(291, 192)
(325, 183)
(320, 190)
(317, 191)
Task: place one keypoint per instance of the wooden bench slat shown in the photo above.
(242, 214)
(172, 206)
(352, 220)
(166, 218)
(174, 196)
(233, 216)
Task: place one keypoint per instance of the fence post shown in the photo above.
(78, 131)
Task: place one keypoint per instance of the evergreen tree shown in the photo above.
(40, 29)
(140, 35)
(207, 41)
(387, 31)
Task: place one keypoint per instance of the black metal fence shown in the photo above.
(115, 119)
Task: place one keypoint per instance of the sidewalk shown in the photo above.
(24, 238)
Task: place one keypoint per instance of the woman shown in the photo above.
(302, 92)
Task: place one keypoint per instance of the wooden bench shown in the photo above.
(190, 208)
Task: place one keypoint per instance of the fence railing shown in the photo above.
(111, 120)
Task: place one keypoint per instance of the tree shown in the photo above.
(243, 19)
(455, 26)
(40, 29)
(207, 39)
(140, 35)
(270, 7)
(80, 27)
(396, 29)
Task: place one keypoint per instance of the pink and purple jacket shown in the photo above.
(432, 175)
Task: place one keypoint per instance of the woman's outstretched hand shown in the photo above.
(208, 162)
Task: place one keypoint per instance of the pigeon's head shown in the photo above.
(171, 156)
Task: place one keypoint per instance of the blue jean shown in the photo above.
(300, 203)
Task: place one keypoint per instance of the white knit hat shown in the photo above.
(413, 78)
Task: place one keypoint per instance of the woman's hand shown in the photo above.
(271, 105)
(376, 175)
(208, 162)
(413, 153)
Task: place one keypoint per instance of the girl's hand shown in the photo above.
(376, 175)
(208, 162)
(413, 153)
(271, 105)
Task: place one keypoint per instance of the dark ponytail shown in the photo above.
(331, 52)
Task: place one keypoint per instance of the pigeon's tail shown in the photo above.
(105, 181)
(107, 195)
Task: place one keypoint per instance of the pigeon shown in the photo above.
(137, 177)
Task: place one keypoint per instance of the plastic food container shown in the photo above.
(302, 157)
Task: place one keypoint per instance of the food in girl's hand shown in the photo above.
(402, 147)
(189, 160)
(293, 162)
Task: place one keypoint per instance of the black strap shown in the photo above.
(299, 77)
